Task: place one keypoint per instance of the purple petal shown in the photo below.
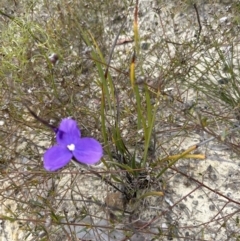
(68, 132)
(88, 150)
(56, 157)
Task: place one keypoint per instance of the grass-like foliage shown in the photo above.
(154, 89)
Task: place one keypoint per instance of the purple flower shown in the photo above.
(70, 144)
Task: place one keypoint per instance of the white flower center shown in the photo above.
(71, 147)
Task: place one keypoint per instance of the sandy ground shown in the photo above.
(201, 200)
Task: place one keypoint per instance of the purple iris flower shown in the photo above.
(70, 145)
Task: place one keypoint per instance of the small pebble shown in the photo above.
(223, 20)
(223, 81)
(195, 202)
(145, 46)
(212, 207)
